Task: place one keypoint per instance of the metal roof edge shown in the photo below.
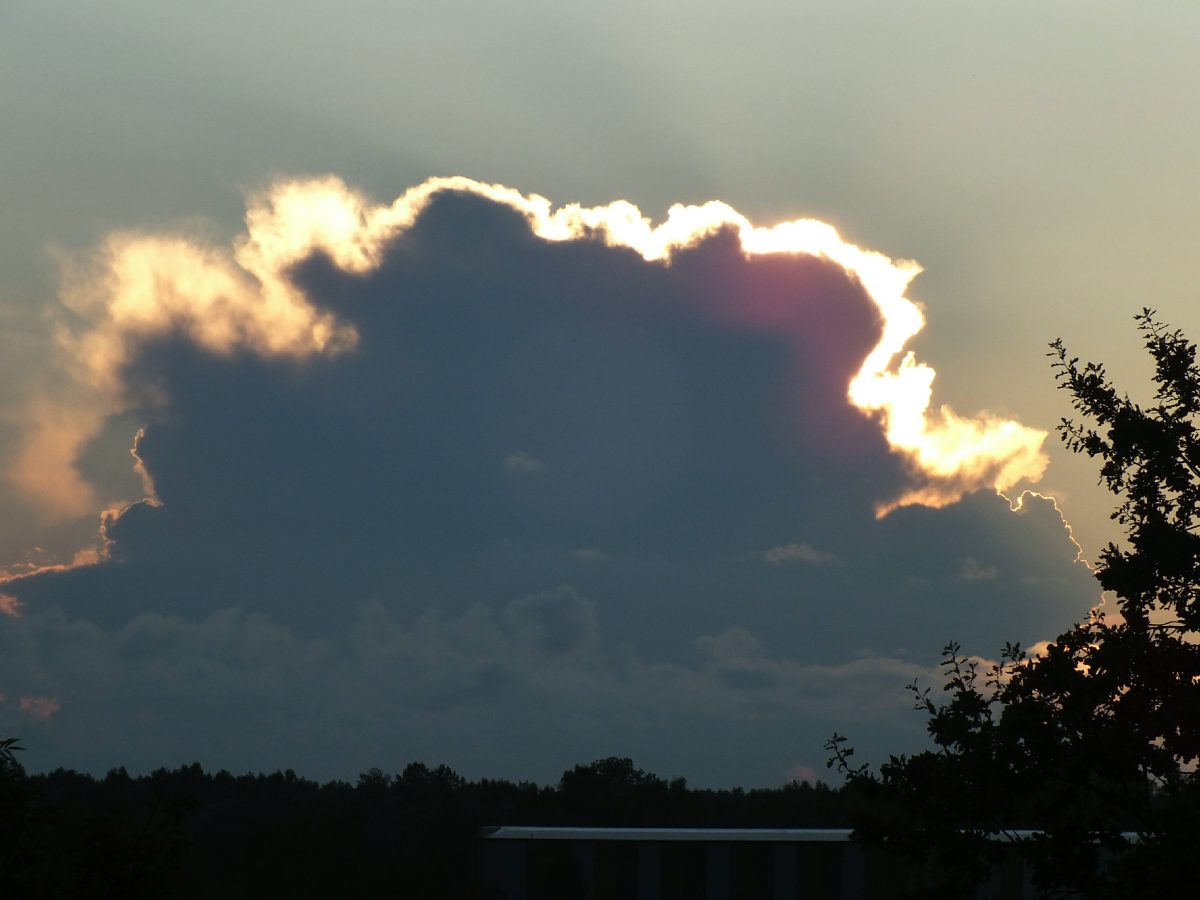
(812, 835)
(554, 833)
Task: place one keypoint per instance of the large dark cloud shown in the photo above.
(557, 495)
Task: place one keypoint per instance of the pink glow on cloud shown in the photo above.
(40, 708)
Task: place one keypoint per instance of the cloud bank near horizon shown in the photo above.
(467, 467)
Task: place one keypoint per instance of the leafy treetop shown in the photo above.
(1097, 738)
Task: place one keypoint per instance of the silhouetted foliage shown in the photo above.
(10, 771)
(1097, 738)
(14, 803)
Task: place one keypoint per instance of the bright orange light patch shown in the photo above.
(9, 606)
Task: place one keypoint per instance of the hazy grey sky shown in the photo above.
(1037, 159)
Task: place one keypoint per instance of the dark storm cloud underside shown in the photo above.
(684, 415)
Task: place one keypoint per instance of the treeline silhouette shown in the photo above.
(190, 833)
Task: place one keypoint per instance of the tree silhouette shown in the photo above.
(14, 815)
(11, 773)
(1093, 743)
(613, 791)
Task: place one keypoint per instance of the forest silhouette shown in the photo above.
(187, 833)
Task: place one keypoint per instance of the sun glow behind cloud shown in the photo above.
(139, 287)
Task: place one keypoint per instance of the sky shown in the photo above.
(466, 429)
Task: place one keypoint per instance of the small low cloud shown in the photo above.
(973, 571)
(787, 554)
(40, 708)
(10, 605)
(556, 621)
(589, 555)
(732, 643)
(521, 463)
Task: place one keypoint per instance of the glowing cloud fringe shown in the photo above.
(142, 286)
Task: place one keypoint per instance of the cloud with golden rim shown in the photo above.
(141, 287)
(468, 461)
